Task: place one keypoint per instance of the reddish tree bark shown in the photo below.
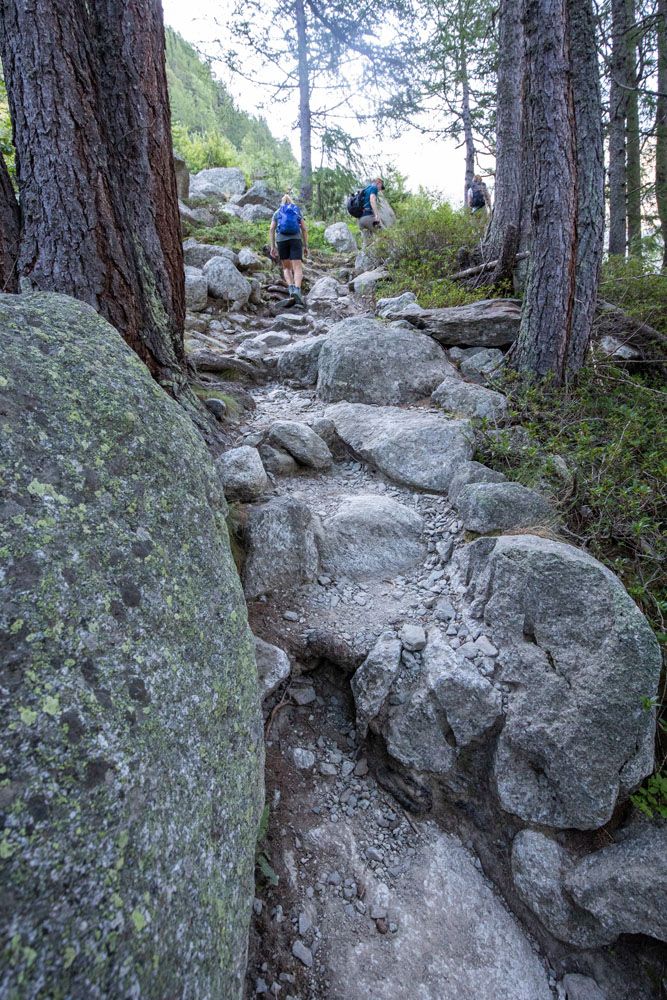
(88, 97)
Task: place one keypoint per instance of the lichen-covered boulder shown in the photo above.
(217, 182)
(131, 757)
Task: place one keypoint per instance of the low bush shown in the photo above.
(638, 289)
(422, 250)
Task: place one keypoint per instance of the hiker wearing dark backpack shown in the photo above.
(478, 195)
(289, 242)
(364, 206)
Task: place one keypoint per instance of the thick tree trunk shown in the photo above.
(9, 233)
(509, 189)
(661, 129)
(632, 140)
(618, 103)
(563, 108)
(87, 91)
(304, 105)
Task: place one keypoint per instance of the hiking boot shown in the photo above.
(292, 290)
(300, 301)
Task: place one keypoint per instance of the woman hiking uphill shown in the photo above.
(289, 241)
(370, 218)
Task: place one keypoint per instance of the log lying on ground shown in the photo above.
(470, 272)
(211, 361)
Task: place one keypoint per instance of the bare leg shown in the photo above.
(288, 273)
(367, 227)
(297, 270)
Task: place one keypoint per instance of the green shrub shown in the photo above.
(637, 289)
(237, 233)
(422, 249)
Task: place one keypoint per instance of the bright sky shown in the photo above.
(435, 164)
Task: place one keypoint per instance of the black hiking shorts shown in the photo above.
(291, 249)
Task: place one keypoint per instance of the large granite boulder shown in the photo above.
(299, 362)
(339, 236)
(301, 442)
(242, 474)
(197, 254)
(488, 323)
(226, 282)
(281, 547)
(624, 885)
(366, 282)
(472, 472)
(256, 213)
(580, 661)
(217, 182)
(466, 399)
(132, 740)
(487, 506)
(259, 193)
(364, 361)
(196, 289)
(371, 536)
(413, 447)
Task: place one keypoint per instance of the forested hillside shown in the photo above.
(210, 131)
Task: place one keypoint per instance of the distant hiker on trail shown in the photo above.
(289, 242)
(478, 195)
(364, 206)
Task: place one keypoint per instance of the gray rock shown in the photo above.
(324, 292)
(486, 507)
(197, 254)
(369, 536)
(412, 447)
(366, 282)
(301, 442)
(391, 307)
(580, 659)
(300, 362)
(276, 461)
(273, 666)
(303, 759)
(472, 472)
(488, 323)
(581, 988)
(470, 702)
(225, 282)
(413, 637)
(385, 212)
(132, 697)
(325, 428)
(457, 939)
(304, 954)
(539, 866)
(281, 548)
(367, 362)
(483, 365)
(372, 681)
(222, 182)
(242, 473)
(259, 194)
(265, 341)
(625, 885)
(196, 289)
(256, 213)
(339, 236)
(218, 407)
(304, 696)
(182, 177)
(249, 261)
(196, 216)
(364, 261)
(469, 400)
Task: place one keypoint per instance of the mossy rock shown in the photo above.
(130, 779)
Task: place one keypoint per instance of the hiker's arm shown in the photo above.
(272, 236)
(374, 206)
(304, 236)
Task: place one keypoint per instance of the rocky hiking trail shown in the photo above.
(452, 692)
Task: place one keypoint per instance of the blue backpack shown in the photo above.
(289, 219)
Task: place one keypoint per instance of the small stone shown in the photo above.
(485, 646)
(382, 925)
(303, 759)
(378, 912)
(304, 954)
(261, 987)
(329, 770)
(290, 616)
(257, 906)
(373, 854)
(413, 637)
(362, 768)
(347, 767)
(304, 696)
(305, 923)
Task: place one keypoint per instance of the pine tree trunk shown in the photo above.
(632, 141)
(508, 208)
(661, 129)
(563, 111)
(618, 102)
(9, 232)
(304, 105)
(87, 92)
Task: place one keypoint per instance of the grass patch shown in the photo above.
(601, 446)
(422, 250)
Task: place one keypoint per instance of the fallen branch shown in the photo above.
(470, 272)
(209, 361)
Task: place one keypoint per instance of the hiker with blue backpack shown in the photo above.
(289, 242)
(478, 196)
(364, 206)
